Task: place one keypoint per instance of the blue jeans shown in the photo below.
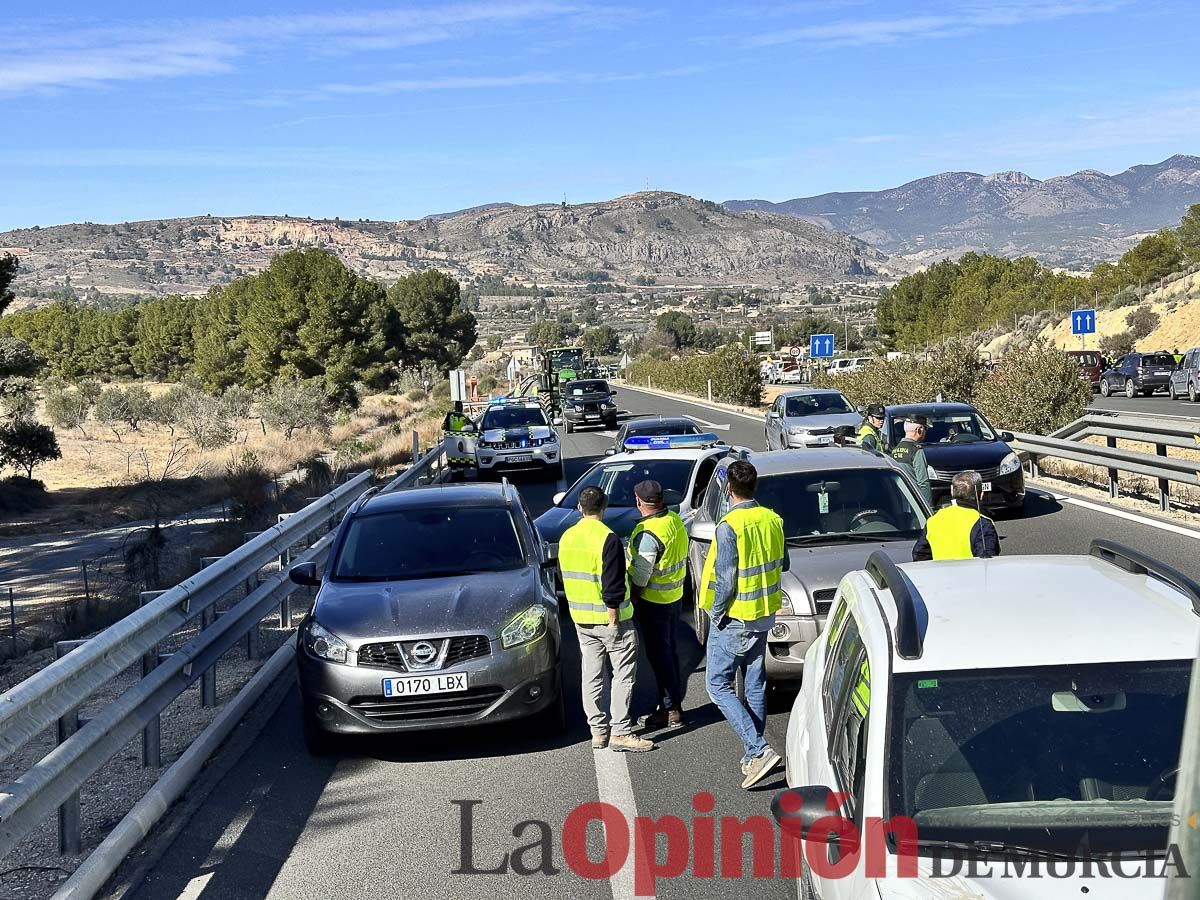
(729, 649)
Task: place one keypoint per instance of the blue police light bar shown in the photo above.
(671, 441)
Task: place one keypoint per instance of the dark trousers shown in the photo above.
(659, 623)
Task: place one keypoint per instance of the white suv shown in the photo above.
(983, 723)
(515, 436)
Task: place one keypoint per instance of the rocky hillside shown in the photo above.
(670, 237)
(1073, 220)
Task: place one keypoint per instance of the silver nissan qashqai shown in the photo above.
(437, 609)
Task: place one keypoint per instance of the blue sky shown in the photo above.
(385, 110)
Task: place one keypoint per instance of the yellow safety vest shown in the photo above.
(457, 422)
(949, 532)
(860, 696)
(866, 429)
(580, 552)
(760, 550)
(666, 581)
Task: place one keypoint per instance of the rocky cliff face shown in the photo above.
(1072, 220)
(671, 237)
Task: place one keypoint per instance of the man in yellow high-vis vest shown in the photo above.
(960, 530)
(740, 588)
(658, 550)
(592, 562)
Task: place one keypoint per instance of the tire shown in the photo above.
(1192, 391)
(553, 719)
(702, 622)
(317, 740)
(1130, 389)
(1171, 390)
(1105, 390)
(568, 427)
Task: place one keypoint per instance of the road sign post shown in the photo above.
(821, 346)
(1083, 323)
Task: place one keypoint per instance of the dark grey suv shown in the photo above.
(437, 609)
(1138, 373)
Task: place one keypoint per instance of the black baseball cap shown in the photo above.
(918, 420)
(876, 410)
(649, 492)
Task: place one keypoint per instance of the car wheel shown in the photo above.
(553, 719)
(689, 590)
(1104, 388)
(1192, 392)
(1130, 389)
(1171, 390)
(702, 623)
(568, 427)
(317, 740)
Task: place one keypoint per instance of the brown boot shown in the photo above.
(665, 718)
(599, 740)
(629, 743)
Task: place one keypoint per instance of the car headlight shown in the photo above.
(322, 642)
(529, 625)
(797, 430)
(787, 602)
(1010, 464)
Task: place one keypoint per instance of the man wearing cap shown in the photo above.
(870, 433)
(658, 550)
(960, 530)
(910, 452)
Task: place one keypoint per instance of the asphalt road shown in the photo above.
(1157, 405)
(384, 817)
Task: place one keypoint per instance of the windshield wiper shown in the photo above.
(841, 537)
(998, 847)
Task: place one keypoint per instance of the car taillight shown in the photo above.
(1139, 370)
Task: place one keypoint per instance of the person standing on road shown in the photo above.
(658, 550)
(910, 452)
(454, 426)
(741, 592)
(594, 579)
(870, 432)
(960, 530)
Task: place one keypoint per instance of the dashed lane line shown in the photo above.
(615, 788)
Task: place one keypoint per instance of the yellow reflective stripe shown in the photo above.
(581, 576)
(761, 569)
(590, 607)
(671, 570)
(765, 591)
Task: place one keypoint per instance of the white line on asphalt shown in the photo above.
(614, 787)
(700, 421)
(1120, 514)
(229, 837)
(196, 886)
(695, 401)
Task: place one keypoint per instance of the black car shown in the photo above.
(1138, 373)
(656, 426)
(961, 438)
(588, 401)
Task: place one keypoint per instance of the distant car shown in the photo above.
(588, 402)
(959, 438)
(1185, 380)
(437, 609)
(930, 676)
(808, 418)
(1091, 365)
(517, 436)
(684, 473)
(838, 507)
(847, 364)
(1138, 373)
(656, 426)
(791, 376)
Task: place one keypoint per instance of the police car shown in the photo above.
(1003, 718)
(682, 464)
(517, 435)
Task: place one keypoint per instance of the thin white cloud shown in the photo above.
(964, 19)
(54, 55)
(874, 139)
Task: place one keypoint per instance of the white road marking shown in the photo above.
(196, 886)
(229, 837)
(614, 788)
(700, 421)
(1120, 513)
(696, 402)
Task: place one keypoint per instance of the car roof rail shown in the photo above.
(365, 496)
(910, 624)
(1138, 563)
(506, 489)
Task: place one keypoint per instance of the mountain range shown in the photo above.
(671, 238)
(1072, 220)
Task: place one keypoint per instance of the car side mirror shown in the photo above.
(558, 498)
(305, 573)
(798, 809)
(612, 393)
(1007, 437)
(703, 530)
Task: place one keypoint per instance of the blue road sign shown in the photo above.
(820, 346)
(1083, 321)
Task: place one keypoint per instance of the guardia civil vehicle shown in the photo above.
(1005, 716)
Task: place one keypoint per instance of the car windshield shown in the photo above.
(1087, 358)
(428, 542)
(816, 506)
(660, 429)
(580, 388)
(617, 479)
(950, 428)
(513, 417)
(816, 405)
(1050, 757)
(1158, 359)
(570, 358)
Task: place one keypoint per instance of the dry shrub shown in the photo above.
(278, 454)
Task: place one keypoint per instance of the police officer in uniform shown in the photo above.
(960, 530)
(910, 452)
(454, 426)
(740, 590)
(870, 432)
(658, 550)
(594, 579)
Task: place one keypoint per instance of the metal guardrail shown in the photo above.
(1069, 443)
(53, 696)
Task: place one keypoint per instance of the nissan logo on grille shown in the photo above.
(423, 652)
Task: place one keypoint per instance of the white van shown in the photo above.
(847, 364)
